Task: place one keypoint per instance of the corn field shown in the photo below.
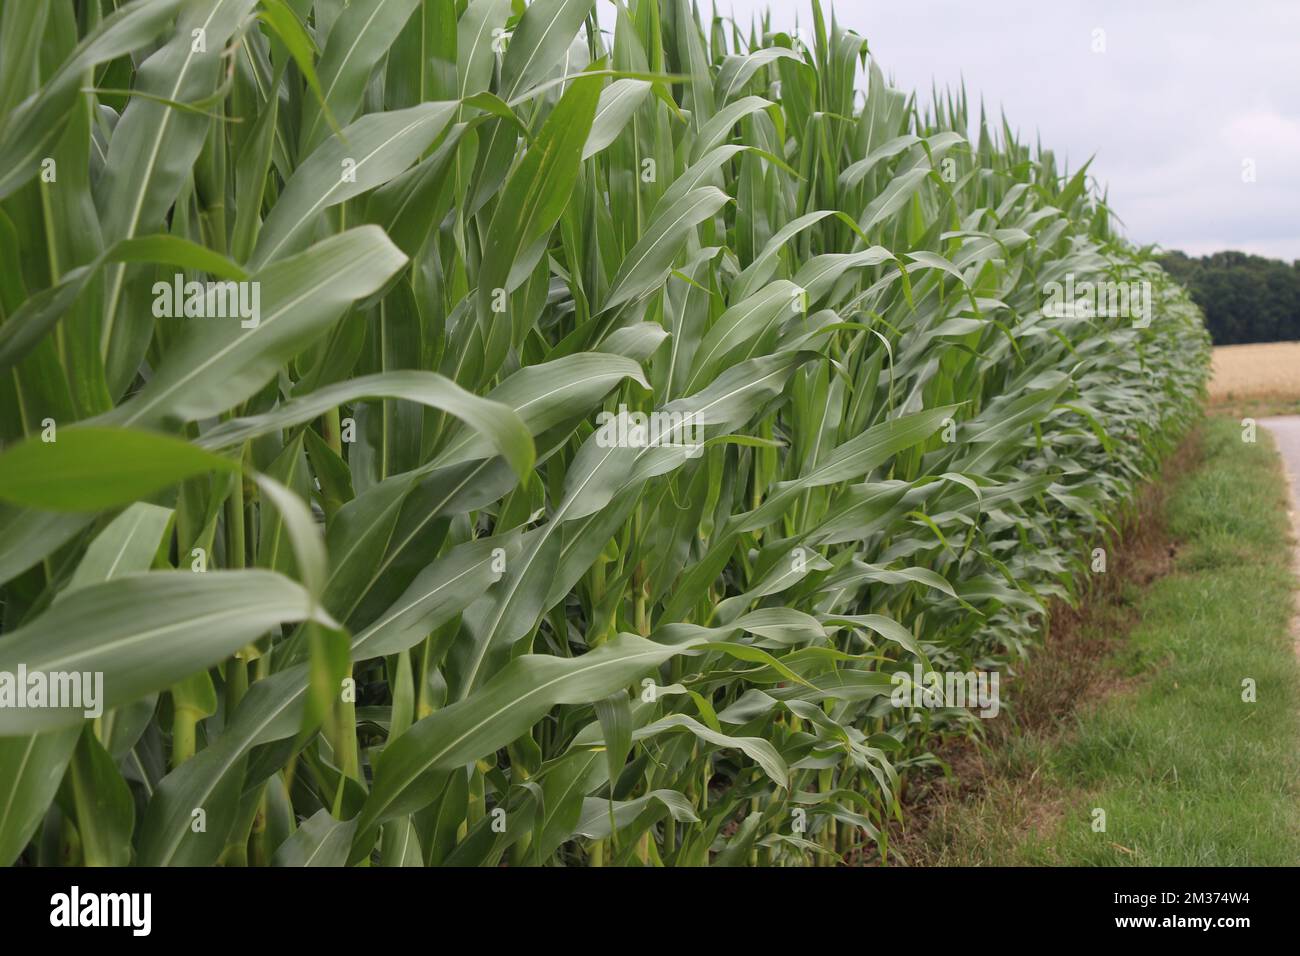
(445, 433)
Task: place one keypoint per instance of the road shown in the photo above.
(1286, 433)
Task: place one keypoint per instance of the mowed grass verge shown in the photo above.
(1186, 771)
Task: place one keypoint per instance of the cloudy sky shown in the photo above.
(1185, 93)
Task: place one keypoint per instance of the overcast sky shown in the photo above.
(1185, 92)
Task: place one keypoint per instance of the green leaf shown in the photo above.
(304, 535)
(212, 779)
(369, 153)
(539, 42)
(30, 770)
(500, 712)
(127, 545)
(648, 262)
(24, 329)
(144, 632)
(495, 423)
(88, 469)
(618, 102)
(615, 716)
(358, 40)
(36, 125)
(218, 364)
(105, 808)
(320, 841)
(756, 748)
(536, 193)
(595, 822)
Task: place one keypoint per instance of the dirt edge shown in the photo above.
(1071, 672)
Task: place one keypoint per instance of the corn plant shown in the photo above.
(455, 434)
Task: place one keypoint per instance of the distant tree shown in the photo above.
(1245, 298)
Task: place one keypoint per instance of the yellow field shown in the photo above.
(1267, 374)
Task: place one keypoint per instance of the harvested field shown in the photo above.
(1258, 374)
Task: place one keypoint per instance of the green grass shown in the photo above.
(1187, 773)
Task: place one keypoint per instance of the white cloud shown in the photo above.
(1184, 92)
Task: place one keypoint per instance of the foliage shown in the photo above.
(1245, 298)
(563, 649)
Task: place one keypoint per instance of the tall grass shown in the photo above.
(367, 578)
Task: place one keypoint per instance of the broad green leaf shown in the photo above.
(536, 193)
(618, 102)
(502, 710)
(320, 841)
(218, 363)
(113, 635)
(648, 262)
(35, 126)
(366, 154)
(88, 469)
(127, 545)
(538, 42)
(30, 770)
(105, 808)
(23, 330)
(358, 40)
(497, 424)
(757, 749)
(595, 822)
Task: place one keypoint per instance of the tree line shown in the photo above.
(1245, 298)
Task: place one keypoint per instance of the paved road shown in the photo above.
(1286, 432)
